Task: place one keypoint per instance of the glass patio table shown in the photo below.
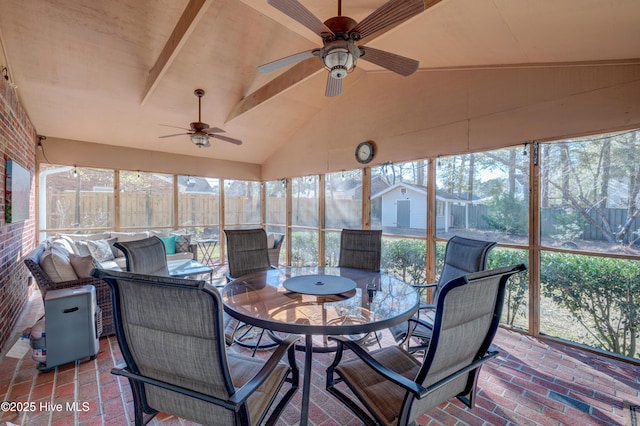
(319, 301)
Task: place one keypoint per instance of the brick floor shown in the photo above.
(532, 382)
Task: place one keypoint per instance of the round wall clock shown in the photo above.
(365, 151)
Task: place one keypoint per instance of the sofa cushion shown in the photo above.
(163, 233)
(82, 265)
(65, 242)
(101, 249)
(82, 248)
(169, 244)
(119, 264)
(55, 263)
(84, 237)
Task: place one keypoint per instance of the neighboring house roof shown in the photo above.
(194, 184)
(440, 195)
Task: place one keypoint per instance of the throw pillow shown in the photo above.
(183, 241)
(55, 263)
(169, 244)
(82, 248)
(114, 250)
(271, 240)
(100, 250)
(65, 242)
(82, 265)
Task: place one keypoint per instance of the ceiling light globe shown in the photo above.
(200, 140)
(339, 62)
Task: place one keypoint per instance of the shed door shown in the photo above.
(404, 213)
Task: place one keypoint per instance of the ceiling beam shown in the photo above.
(191, 15)
(297, 74)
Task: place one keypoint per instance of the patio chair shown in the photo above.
(170, 333)
(360, 249)
(247, 252)
(462, 256)
(146, 256)
(394, 387)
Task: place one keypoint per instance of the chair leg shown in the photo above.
(255, 348)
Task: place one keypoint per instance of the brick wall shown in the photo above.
(17, 142)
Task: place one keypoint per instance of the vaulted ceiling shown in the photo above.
(112, 72)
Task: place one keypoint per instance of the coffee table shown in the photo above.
(188, 268)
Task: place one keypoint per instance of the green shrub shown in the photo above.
(517, 292)
(600, 293)
(405, 258)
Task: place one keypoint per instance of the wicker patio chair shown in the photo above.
(170, 333)
(360, 249)
(103, 292)
(394, 387)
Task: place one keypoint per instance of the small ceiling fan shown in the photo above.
(200, 132)
(340, 36)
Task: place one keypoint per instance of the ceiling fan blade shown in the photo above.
(390, 13)
(334, 86)
(210, 130)
(396, 63)
(288, 60)
(295, 10)
(175, 127)
(170, 136)
(227, 139)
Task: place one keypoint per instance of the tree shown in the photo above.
(583, 174)
(507, 213)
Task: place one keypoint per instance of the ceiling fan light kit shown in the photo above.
(200, 132)
(340, 35)
(200, 140)
(341, 59)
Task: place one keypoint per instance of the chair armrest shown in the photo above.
(248, 388)
(241, 394)
(193, 248)
(417, 322)
(420, 288)
(366, 357)
(125, 372)
(474, 365)
(78, 283)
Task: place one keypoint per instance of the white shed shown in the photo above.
(405, 206)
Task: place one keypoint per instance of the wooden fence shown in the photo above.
(551, 221)
(148, 209)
